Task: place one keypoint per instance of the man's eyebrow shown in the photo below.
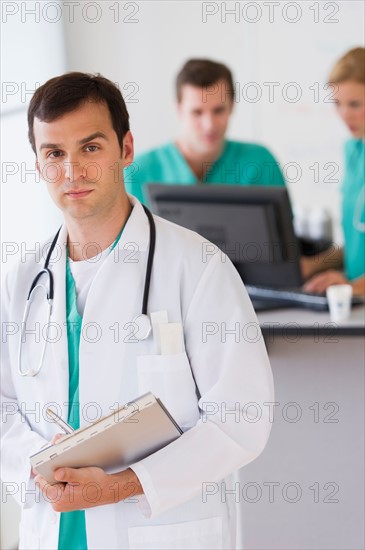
(93, 136)
(81, 142)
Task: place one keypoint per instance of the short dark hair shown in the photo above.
(203, 73)
(67, 92)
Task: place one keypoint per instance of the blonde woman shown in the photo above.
(348, 75)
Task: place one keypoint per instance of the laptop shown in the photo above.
(253, 225)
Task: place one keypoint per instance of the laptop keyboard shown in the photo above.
(269, 298)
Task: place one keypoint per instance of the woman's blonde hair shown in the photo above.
(350, 67)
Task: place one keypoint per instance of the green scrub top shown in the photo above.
(239, 163)
(72, 532)
(353, 208)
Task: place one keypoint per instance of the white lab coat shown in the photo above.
(206, 295)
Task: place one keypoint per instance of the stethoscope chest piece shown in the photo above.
(143, 327)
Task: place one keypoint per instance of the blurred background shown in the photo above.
(280, 54)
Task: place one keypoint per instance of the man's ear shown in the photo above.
(178, 107)
(37, 167)
(128, 149)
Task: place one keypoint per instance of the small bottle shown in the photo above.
(320, 224)
(300, 221)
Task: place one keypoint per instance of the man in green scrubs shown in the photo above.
(201, 154)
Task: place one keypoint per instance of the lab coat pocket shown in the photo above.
(205, 534)
(169, 377)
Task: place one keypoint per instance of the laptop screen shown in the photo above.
(251, 224)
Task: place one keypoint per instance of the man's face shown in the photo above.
(350, 104)
(204, 114)
(79, 157)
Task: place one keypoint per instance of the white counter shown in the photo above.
(306, 491)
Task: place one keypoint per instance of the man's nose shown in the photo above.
(208, 122)
(74, 170)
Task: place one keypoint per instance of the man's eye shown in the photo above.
(55, 154)
(93, 147)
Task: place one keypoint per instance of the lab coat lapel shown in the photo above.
(114, 299)
(59, 389)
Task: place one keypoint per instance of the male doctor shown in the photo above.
(215, 381)
(202, 154)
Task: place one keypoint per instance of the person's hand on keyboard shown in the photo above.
(319, 283)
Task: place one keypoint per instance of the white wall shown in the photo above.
(32, 50)
(145, 55)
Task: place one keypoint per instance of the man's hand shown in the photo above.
(54, 440)
(320, 282)
(81, 488)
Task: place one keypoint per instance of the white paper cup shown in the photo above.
(339, 302)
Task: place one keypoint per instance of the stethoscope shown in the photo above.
(141, 322)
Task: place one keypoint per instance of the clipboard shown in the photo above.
(127, 435)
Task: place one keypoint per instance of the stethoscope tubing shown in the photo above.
(151, 254)
(50, 294)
